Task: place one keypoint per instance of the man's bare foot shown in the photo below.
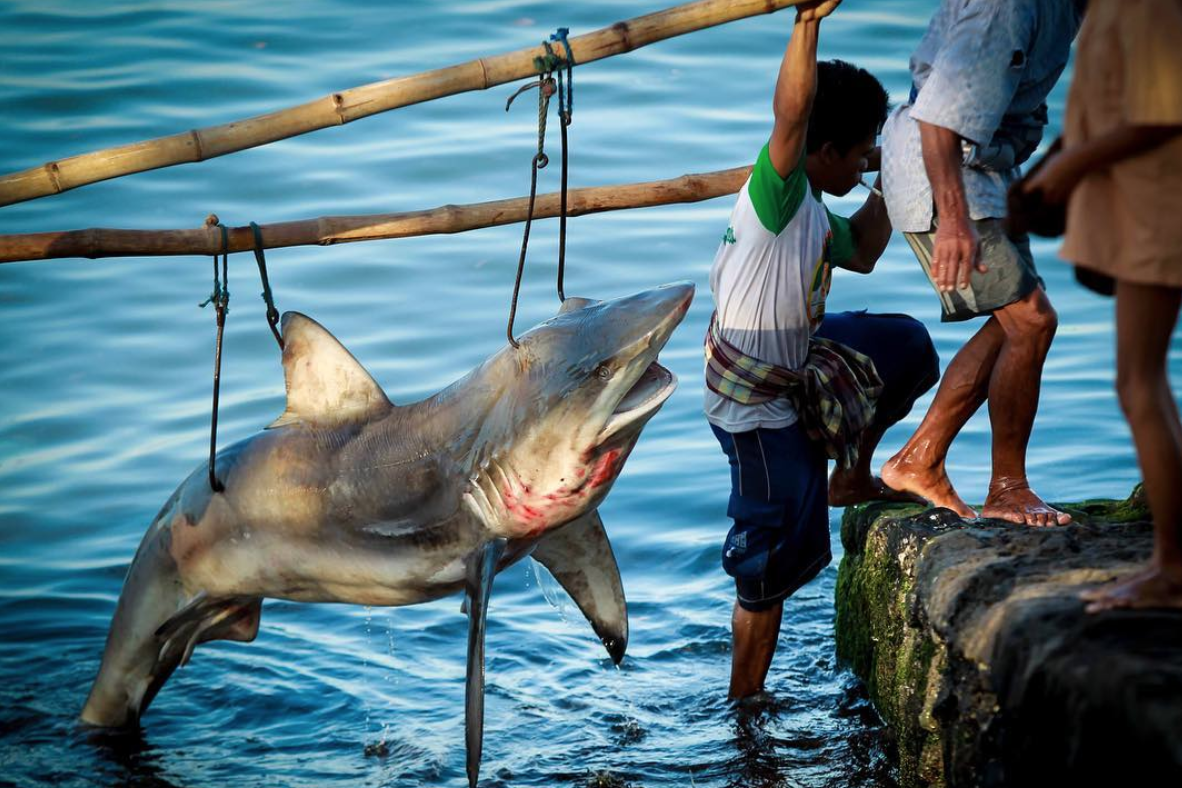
(848, 487)
(1013, 500)
(926, 482)
(1149, 588)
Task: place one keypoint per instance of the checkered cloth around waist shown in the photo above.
(834, 393)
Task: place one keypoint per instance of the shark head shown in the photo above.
(569, 404)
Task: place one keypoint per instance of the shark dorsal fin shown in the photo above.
(575, 303)
(326, 385)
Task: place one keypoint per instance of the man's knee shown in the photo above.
(917, 347)
(1031, 318)
(1138, 393)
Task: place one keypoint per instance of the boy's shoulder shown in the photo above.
(776, 198)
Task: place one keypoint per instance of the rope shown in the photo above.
(566, 98)
(546, 88)
(260, 258)
(560, 37)
(549, 66)
(220, 298)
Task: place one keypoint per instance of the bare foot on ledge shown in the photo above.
(1151, 588)
(1013, 500)
(848, 487)
(927, 482)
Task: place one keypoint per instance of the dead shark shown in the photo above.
(349, 498)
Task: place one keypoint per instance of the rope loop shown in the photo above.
(220, 298)
(566, 98)
(260, 258)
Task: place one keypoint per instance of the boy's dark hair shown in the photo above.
(851, 104)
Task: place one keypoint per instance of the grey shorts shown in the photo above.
(1011, 275)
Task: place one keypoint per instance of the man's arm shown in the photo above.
(955, 250)
(973, 79)
(796, 86)
(1059, 176)
(871, 228)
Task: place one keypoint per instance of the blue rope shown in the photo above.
(220, 297)
(568, 101)
(260, 258)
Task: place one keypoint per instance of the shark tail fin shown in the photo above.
(580, 557)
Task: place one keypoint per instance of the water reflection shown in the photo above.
(131, 760)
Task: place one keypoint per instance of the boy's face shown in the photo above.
(839, 172)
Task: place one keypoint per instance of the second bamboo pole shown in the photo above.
(327, 230)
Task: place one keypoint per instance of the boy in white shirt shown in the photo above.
(788, 386)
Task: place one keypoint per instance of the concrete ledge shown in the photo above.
(977, 653)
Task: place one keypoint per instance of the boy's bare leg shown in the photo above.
(754, 644)
(1145, 319)
(919, 466)
(1029, 326)
(848, 486)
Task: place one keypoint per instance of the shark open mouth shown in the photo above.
(648, 393)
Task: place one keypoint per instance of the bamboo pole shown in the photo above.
(328, 230)
(360, 102)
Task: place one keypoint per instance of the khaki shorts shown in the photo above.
(1011, 275)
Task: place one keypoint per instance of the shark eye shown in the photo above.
(603, 372)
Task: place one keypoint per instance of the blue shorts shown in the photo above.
(779, 488)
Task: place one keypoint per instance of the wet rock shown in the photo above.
(976, 651)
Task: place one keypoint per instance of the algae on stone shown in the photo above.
(964, 632)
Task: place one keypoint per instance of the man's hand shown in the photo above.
(1057, 178)
(814, 10)
(955, 253)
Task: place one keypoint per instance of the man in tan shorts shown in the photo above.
(977, 110)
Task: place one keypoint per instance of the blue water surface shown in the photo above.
(105, 400)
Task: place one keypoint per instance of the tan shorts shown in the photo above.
(1011, 275)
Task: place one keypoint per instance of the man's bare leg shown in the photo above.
(754, 636)
(1145, 319)
(1029, 326)
(919, 466)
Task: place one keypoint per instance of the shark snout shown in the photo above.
(675, 298)
(659, 311)
(667, 302)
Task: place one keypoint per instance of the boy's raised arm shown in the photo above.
(796, 86)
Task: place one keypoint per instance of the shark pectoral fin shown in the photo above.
(482, 567)
(193, 611)
(207, 618)
(580, 557)
(326, 385)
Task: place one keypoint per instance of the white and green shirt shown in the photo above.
(770, 277)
